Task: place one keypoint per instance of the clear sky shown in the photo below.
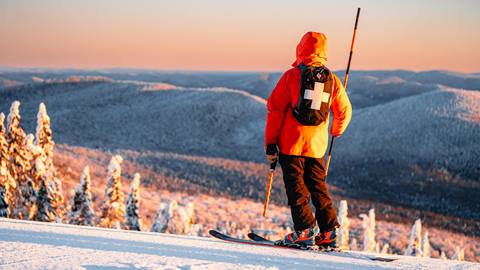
(243, 35)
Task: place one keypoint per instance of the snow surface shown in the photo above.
(36, 245)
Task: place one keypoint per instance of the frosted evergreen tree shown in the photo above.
(163, 216)
(39, 179)
(385, 248)
(44, 140)
(191, 216)
(443, 256)
(19, 163)
(44, 209)
(425, 246)
(81, 212)
(113, 210)
(7, 183)
(354, 244)
(368, 224)
(132, 218)
(343, 230)
(58, 200)
(459, 254)
(179, 222)
(43, 136)
(415, 240)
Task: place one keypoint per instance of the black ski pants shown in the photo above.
(304, 179)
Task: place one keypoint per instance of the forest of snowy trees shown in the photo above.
(31, 189)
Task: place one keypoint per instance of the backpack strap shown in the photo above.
(302, 68)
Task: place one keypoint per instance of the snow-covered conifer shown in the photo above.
(368, 224)
(44, 209)
(163, 216)
(459, 254)
(354, 244)
(179, 222)
(81, 212)
(343, 231)
(443, 256)
(45, 141)
(113, 210)
(19, 163)
(132, 218)
(425, 245)
(43, 136)
(57, 197)
(39, 179)
(7, 183)
(385, 248)
(415, 240)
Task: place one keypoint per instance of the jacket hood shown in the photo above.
(312, 50)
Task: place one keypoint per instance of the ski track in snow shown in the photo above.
(34, 245)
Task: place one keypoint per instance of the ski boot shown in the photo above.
(327, 240)
(300, 239)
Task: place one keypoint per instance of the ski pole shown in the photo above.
(269, 187)
(345, 81)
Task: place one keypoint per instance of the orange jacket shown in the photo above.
(282, 128)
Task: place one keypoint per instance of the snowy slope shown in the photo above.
(33, 245)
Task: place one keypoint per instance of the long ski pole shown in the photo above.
(269, 187)
(345, 81)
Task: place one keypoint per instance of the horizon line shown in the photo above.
(151, 69)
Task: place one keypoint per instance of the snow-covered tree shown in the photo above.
(81, 212)
(7, 183)
(19, 164)
(385, 248)
(443, 256)
(113, 210)
(354, 244)
(44, 209)
(163, 216)
(180, 221)
(459, 254)
(45, 141)
(132, 218)
(39, 179)
(231, 228)
(415, 240)
(425, 245)
(368, 225)
(43, 136)
(343, 230)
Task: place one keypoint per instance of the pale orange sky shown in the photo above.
(244, 35)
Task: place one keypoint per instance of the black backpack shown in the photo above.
(316, 87)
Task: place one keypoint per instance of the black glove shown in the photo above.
(272, 153)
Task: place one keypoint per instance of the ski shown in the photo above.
(225, 237)
(257, 238)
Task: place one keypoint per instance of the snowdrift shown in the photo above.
(34, 245)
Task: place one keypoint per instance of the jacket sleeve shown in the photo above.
(277, 105)
(341, 109)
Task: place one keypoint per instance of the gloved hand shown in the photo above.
(272, 153)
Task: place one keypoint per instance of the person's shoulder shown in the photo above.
(335, 77)
(291, 73)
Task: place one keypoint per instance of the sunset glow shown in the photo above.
(240, 35)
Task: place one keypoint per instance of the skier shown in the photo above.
(296, 134)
